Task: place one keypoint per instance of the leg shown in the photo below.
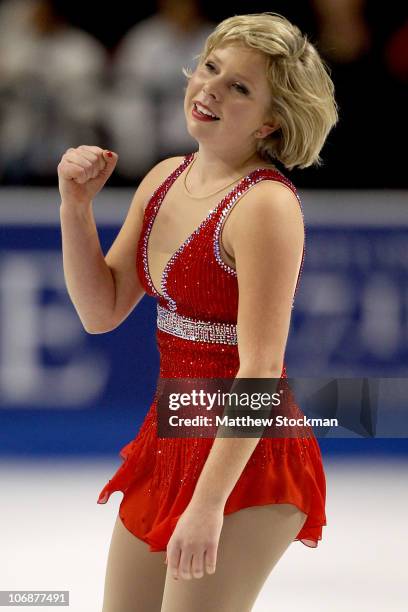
(251, 543)
(135, 577)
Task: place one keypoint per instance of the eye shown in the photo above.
(241, 88)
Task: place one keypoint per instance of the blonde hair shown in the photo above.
(302, 91)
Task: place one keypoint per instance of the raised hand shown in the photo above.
(83, 171)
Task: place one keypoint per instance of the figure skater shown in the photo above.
(217, 238)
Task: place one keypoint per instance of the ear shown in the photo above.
(266, 129)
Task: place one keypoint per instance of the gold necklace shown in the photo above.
(210, 194)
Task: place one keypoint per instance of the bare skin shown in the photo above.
(251, 543)
(179, 215)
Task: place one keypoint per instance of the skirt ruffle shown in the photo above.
(158, 477)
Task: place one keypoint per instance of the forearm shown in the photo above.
(89, 280)
(226, 460)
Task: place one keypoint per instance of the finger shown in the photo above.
(91, 148)
(185, 563)
(173, 561)
(93, 154)
(89, 154)
(78, 159)
(210, 559)
(76, 155)
(197, 565)
(97, 158)
(71, 170)
(92, 167)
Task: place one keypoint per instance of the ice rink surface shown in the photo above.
(55, 536)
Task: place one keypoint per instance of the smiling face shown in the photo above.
(231, 83)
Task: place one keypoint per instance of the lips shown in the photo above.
(199, 109)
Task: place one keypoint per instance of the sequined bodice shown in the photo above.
(196, 282)
(197, 305)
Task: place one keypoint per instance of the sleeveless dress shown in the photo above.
(197, 309)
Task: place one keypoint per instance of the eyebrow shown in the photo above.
(237, 74)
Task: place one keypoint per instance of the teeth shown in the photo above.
(205, 111)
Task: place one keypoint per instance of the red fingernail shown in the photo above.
(109, 154)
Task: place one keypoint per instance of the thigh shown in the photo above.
(252, 541)
(135, 576)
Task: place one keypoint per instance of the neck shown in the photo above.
(212, 168)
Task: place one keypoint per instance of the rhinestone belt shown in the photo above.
(194, 329)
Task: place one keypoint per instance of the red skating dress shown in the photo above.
(196, 338)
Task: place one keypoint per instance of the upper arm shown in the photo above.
(121, 257)
(267, 237)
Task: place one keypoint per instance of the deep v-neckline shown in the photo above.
(163, 191)
(183, 167)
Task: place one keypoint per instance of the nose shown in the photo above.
(211, 89)
(209, 92)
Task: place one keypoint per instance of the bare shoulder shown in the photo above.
(267, 201)
(270, 197)
(155, 177)
(266, 214)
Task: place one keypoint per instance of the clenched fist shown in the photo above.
(82, 172)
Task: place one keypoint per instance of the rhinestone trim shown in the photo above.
(195, 329)
(252, 179)
(157, 198)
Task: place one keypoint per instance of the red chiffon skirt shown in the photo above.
(158, 476)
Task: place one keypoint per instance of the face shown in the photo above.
(231, 83)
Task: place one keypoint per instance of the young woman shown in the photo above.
(203, 521)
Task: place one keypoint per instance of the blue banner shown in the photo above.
(64, 390)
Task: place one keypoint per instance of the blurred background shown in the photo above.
(111, 76)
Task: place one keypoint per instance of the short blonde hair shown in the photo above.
(302, 91)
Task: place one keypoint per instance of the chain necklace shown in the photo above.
(214, 192)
